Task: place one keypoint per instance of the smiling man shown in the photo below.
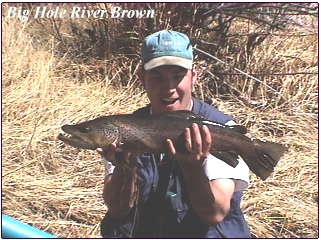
(202, 193)
(168, 88)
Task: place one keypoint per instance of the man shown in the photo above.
(202, 193)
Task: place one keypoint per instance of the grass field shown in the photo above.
(58, 188)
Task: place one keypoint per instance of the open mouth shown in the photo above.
(75, 138)
(66, 138)
(168, 101)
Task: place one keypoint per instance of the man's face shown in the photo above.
(169, 88)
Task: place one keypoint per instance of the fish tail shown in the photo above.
(264, 158)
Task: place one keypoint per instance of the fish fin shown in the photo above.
(264, 157)
(239, 128)
(236, 127)
(228, 157)
(193, 116)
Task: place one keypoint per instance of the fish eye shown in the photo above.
(86, 129)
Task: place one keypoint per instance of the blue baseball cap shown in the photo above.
(167, 47)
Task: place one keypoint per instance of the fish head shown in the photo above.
(90, 135)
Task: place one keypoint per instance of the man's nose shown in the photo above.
(168, 84)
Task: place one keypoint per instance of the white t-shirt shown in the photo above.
(215, 168)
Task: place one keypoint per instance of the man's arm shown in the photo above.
(209, 199)
(120, 189)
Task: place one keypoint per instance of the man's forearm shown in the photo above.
(207, 204)
(120, 191)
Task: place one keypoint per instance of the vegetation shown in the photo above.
(62, 70)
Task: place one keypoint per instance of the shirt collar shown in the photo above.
(192, 104)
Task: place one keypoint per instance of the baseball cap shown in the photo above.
(167, 47)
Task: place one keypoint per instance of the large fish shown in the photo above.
(147, 133)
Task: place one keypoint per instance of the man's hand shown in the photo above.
(198, 144)
(107, 154)
(117, 157)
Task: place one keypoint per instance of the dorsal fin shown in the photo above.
(239, 128)
(236, 127)
(193, 116)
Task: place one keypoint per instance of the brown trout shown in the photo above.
(145, 133)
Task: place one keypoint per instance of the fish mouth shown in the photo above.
(169, 101)
(76, 138)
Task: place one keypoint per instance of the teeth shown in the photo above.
(168, 101)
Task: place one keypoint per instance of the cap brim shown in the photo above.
(169, 60)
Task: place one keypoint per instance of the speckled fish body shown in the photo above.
(145, 133)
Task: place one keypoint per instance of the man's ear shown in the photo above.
(194, 75)
(141, 76)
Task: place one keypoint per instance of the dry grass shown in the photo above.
(58, 188)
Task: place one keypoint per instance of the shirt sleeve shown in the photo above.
(215, 168)
(109, 167)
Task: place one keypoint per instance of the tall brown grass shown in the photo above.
(58, 188)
